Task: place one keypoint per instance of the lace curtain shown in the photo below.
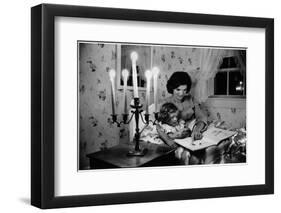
(241, 56)
(210, 60)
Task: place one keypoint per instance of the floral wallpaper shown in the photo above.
(231, 112)
(172, 59)
(96, 132)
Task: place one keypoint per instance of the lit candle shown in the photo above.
(134, 58)
(112, 75)
(125, 74)
(148, 78)
(155, 73)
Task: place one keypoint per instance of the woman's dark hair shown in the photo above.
(177, 79)
(166, 109)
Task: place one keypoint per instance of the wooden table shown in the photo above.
(116, 157)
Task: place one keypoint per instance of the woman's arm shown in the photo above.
(199, 114)
(201, 120)
(198, 128)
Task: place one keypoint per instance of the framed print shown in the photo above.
(140, 106)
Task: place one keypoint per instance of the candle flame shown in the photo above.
(155, 71)
(112, 74)
(134, 56)
(148, 74)
(125, 73)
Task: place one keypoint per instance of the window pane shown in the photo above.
(236, 84)
(220, 83)
(143, 62)
(229, 62)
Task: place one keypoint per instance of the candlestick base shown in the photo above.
(139, 153)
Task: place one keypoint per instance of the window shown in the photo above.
(124, 62)
(230, 79)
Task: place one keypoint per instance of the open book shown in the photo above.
(212, 136)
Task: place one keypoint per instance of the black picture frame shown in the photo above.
(43, 105)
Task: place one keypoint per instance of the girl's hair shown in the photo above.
(177, 79)
(165, 111)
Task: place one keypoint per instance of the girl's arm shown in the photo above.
(180, 134)
(167, 140)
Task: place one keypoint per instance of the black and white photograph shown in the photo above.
(145, 105)
(154, 105)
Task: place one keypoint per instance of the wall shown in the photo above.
(171, 59)
(231, 111)
(96, 129)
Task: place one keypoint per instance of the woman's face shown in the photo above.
(180, 92)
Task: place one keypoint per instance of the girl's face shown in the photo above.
(173, 120)
(180, 92)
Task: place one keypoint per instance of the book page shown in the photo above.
(192, 145)
(215, 135)
(211, 136)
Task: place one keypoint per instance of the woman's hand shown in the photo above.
(197, 131)
(196, 135)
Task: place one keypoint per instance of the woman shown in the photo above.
(179, 86)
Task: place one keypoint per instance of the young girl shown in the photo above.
(169, 122)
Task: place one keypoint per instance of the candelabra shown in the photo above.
(137, 113)
(136, 106)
